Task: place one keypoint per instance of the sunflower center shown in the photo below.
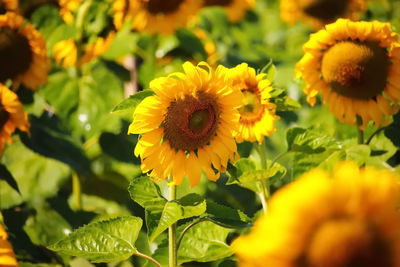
(217, 2)
(15, 54)
(4, 116)
(324, 9)
(3, 9)
(191, 122)
(356, 70)
(162, 6)
(347, 243)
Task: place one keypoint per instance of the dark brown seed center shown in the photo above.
(3, 9)
(327, 10)
(15, 54)
(217, 2)
(190, 123)
(162, 6)
(356, 69)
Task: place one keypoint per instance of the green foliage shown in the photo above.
(132, 101)
(105, 241)
(309, 141)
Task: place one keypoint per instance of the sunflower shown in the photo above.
(257, 115)
(12, 116)
(23, 52)
(7, 255)
(188, 126)
(209, 46)
(347, 218)
(321, 12)
(67, 7)
(122, 12)
(236, 9)
(356, 68)
(160, 16)
(97, 48)
(8, 5)
(65, 53)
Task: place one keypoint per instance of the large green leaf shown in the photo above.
(132, 101)
(125, 43)
(147, 194)
(308, 140)
(226, 217)
(105, 241)
(188, 206)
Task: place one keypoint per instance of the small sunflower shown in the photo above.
(65, 53)
(7, 255)
(321, 12)
(160, 16)
(8, 5)
(236, 9)
(122, 12)
(257, 115)
(209, 46)
(23, 52)
(12, 116)
(67, 7)
(347, 218)
(97, 48)
(356, 68)
(188, 126)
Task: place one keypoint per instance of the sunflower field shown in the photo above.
(191, 133)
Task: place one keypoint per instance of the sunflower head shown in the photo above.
(344, 218)
(12, 116)
(321, 12)
(236, 9)
(355, 66)
(257, 114)
(187, 128)
(23, 52)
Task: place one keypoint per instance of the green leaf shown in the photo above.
(133, 101)
(190, 43)
(123, 44)
(6, 176)
(270, 70)
(309, 141)
(204, 242)
(105, 241)
(147, 194)
(285, 103)
(188, 206)
(226, 217)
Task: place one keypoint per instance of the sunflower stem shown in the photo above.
(172, 248)
(77, 191)
(360, 133)
(264, 184)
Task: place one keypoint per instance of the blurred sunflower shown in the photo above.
(12, 116)
(348, 218)
(209, 46)
(8, 5)
(7, 255)
(188, 126)
(356, 68)
(257, 115)
(97, 48)
(160, 16)
(321, 12)
(67, 7)
(236, 9)
(122, 12)
(23, 52)
(65, 53)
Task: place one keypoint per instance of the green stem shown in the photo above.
(373, 134)
(156, 263)
(264, 184)
(187, 229)
(77, 191)
(360, 133)
(172, 248)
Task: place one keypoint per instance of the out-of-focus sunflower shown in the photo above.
(67, 7)
(22, 52)
(160, 16)
(65, 53)
(257, 115)
(356, 68)
(321, 12)
(7, 255)
(348, 218)
(8, 6)
(188, 126)
(97, 48)
(12, 116)
(122, 12)
(209, 46)
(236, 9)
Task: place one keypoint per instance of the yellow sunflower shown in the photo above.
(122, 12)
(257, 115)
(236, 9)
(187, 128)
(97, 48)
(345, 219)
(65, 53)
(160, 16)
(23, 52)
(7, 255)
(356, 68)
(209, 46)
(321, 12)
(12, 116)
(67, 7)
(8, 5)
